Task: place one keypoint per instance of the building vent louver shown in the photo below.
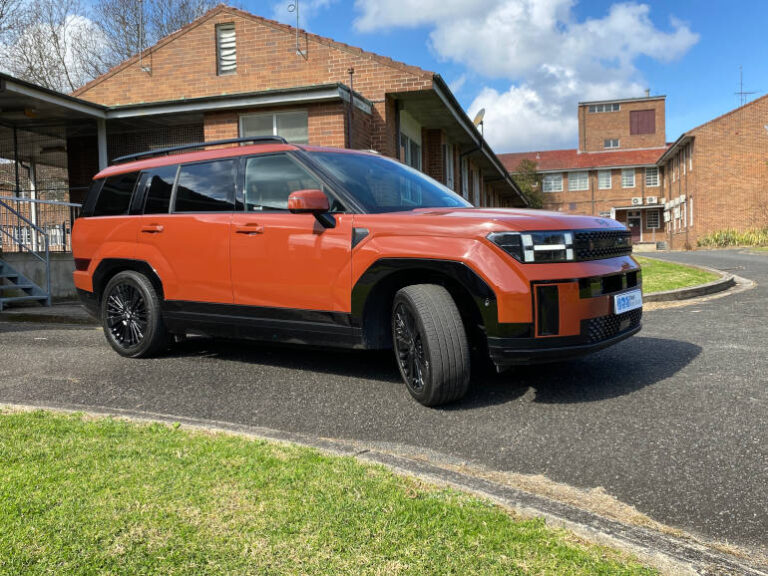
(226, 48)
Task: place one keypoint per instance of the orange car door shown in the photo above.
(287, 260)
(189, 246)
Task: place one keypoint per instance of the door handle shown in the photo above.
(250, 229)
(152, 229)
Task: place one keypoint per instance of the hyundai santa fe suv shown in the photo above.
(307, 245)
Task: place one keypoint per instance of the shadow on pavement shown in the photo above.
(621, 370)
(626, 368)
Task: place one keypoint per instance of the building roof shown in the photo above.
(386, 61)
(572, 159)
(620, 100)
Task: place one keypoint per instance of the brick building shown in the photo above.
(613, 172)
(716, 176)
(233, 74)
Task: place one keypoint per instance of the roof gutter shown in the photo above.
(306, 95)
(12, 85)
(445, 94)
(682, 141)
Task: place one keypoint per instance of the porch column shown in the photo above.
(101, 127)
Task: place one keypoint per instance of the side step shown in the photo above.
(11, 281)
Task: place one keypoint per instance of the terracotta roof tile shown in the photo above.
(573, 160)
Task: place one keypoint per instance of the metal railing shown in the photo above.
(33, 225)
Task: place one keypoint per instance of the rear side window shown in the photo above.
(115, 196)
(206, 187)
(91, 197)
(159, 188)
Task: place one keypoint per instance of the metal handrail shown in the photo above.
(36, 201)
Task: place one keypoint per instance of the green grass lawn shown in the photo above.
(659, 276)
(80, 495)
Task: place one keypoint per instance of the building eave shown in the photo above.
(679, 143)
(285, 97)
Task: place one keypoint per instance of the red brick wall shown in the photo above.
(729, 180)
(596, 127)
(185, 67)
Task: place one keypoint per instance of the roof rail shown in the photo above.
(166, 151)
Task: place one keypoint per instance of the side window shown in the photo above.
(159, 187)
(269, 180)
(115, 196)
(206, 187)
(90, 199)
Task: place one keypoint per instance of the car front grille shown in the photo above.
(606, 327)
(598, 244)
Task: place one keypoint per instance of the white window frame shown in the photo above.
(608, 143)
(625, 172)
(649, 179)
(464, 178)
(449, 166)
(600, 179)
(648, 221)
(575, 182)
(274, 121)
(556, 178)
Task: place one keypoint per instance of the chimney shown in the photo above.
(647, 92)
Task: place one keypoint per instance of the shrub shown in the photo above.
(730, 237)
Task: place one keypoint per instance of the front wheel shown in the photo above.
(430, 344)
(131, 316)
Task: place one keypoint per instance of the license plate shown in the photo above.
(627, 301)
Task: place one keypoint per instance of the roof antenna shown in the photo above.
(741, 94)
(294, 7)
(143, 68)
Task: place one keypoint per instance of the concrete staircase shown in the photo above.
(15, 287)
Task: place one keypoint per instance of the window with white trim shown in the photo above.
(652, 220)
(552, 183)
(226, 49)
(690, 211)
(593, 108)
(652, 176)
(578, 181)
(611, 143)
(293, 126)
(604, 179)
(411, 151)
(628, 178)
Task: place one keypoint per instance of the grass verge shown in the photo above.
(660, 276)
(82, 495)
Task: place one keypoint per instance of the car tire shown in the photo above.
(430, 344)
(131, 316)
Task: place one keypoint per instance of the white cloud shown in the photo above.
(551, 59)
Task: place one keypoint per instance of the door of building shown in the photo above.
(634, 223)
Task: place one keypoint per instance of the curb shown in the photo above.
(725, 282)
(669, 554)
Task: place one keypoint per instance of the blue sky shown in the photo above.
(529, 61)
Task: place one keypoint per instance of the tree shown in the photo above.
(62, 44)
(46, 42)
(528, 180)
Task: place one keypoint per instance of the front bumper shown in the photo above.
(597, 333)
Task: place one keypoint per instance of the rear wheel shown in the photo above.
(131, 316)
(430, 344)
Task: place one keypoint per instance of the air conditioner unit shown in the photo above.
(651, 200)
(667, 216)
(637, 201)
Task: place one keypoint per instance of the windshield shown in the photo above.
(384, 185)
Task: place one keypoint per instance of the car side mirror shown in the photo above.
(312, 202)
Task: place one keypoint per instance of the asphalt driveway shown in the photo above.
(672, 421)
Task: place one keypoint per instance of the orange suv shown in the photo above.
(309, 245)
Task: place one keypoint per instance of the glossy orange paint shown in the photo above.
(96, 239)
(189, 252)
(291, 261)
(308, 201)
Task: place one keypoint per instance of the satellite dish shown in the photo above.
(479, 117)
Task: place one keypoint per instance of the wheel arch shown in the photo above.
(109, 267)
(374, 292)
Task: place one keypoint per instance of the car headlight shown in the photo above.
(538, 247)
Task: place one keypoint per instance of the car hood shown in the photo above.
(522, 219)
